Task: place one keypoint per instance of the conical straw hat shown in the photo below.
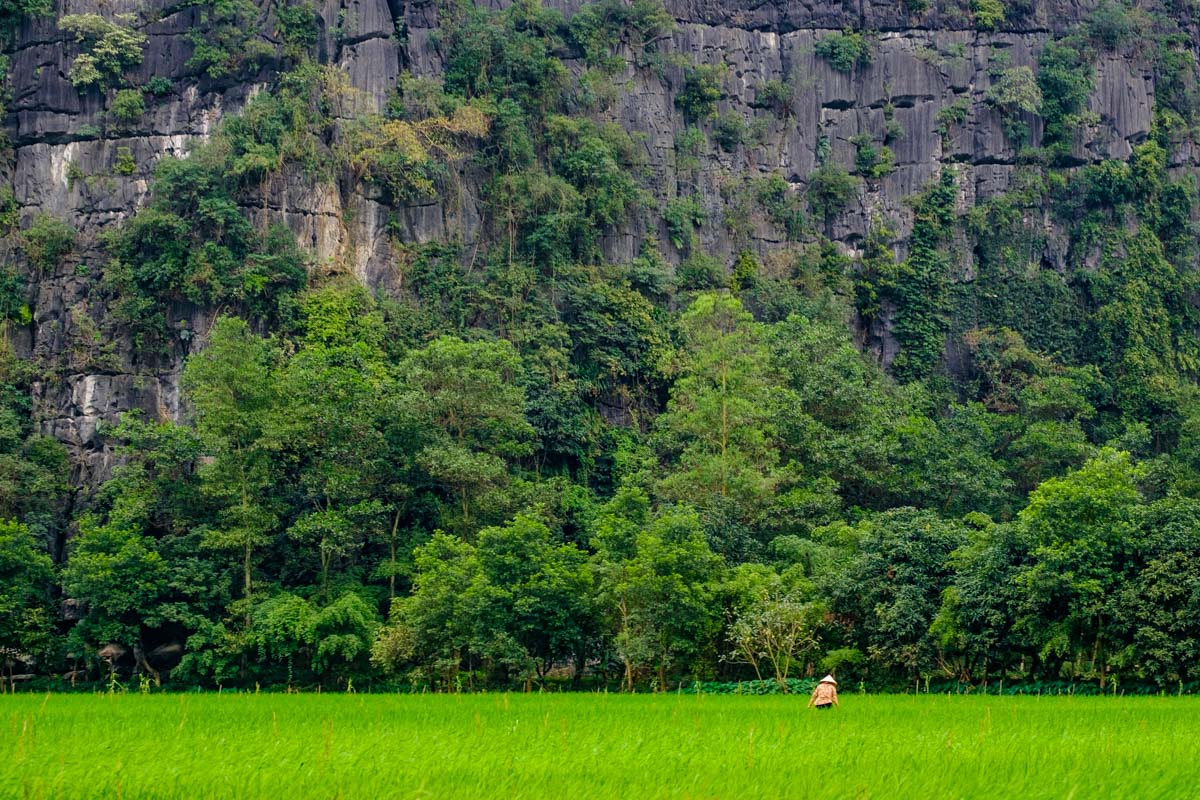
(828, 679)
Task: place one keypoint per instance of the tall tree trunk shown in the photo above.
(139, 655)
(246, 578)
(392, 563)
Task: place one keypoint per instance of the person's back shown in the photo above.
(825, 695)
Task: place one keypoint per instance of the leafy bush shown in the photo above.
(1106, 184)
(403, 157)
(689, 146)
(1065, 77)
(46, 241)
(297, 28)
(600, 162)
(701, 91)
(598, 29)
(227, 39)
(729, 130)
(1017, 89)
(682, 216)
(871, 161)
(12, 297)
(124, 163)
(846, 50)
(107, 49)
(510, 54)
(775, 95)
(830, 189)
(954, 114)
(1015, 92)
(12, 12)
(1111, 24)
(783, 206)
(127, 107)
(988, 14)
(159, 86)
(1175, 80)
(700, 271)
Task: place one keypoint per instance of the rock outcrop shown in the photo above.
(65, 149)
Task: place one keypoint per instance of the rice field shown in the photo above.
(291, 747)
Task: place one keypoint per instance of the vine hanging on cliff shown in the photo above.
(920, 288)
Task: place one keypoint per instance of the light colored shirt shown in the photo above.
(824, 694)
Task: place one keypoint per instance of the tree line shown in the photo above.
(346, 511)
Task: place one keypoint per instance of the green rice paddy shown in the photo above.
(291, 747)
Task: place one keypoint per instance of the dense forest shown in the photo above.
(520, 462)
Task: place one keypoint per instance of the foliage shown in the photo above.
(846, 50)
(1015, 92)
(783, 206)
(505, 55)
(1111, 24)
(830, 190)
(921, 283)
(107, 49)
(600, 28)
(729, 130)
(46, 241)
(297, 28)
(682, 216)
(26, 612)
(988, 14)
(228, 39)
(124, 163)
(701, 91)
(1065, 76)
(716, 428)
(159, 86)
(776, 95)
(954, 114)
(13, 12)
(128, 107)
(950, 459)
(405, 158)
(871, 161)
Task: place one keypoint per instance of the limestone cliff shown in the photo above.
(65, 150)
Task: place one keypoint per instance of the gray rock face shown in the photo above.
(64, 150)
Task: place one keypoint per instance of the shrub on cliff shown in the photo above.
(107, 49)
(846, 50)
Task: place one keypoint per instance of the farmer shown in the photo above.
(824, 696)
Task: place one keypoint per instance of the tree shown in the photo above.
(719, 422)
(1014, 93)
(431, 629)
(976, 624)
(775, 622)
(342, 633)
(337, 401)
(281, 631)
(540, 593)
(230, 385)
(118, 576)
(26, 614)
(1082, 531)
(655, 584)
(890, 587)
(1158, 608)
(34, 469)
(467, 396)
